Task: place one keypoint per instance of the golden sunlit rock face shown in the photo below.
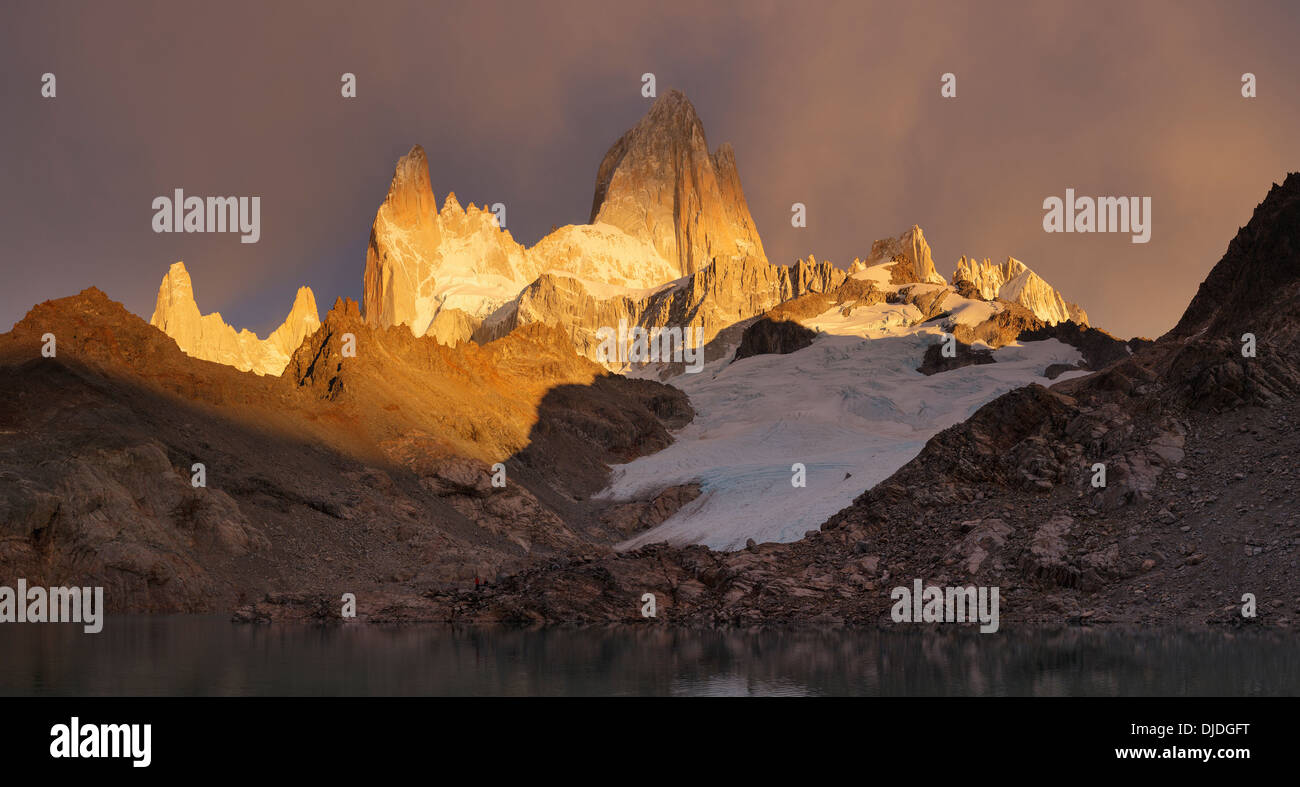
(665, 209)
(660, 183)
(421, 261)
(1014, 282)
(445, 273)
(395, 384)
(910, 256)
(207, 336)
(671, 242)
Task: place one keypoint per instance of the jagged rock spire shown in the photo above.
(659, 182)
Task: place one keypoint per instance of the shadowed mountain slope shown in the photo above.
(349, 474)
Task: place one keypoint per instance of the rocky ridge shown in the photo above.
(1014, 282)
(350, 470)
(207, 336)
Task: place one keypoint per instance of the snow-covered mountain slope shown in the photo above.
(851, 408)
(1013, 281)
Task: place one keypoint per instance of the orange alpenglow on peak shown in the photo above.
(207, 336)
(664, 208)
(1013, 281)
(659, 182)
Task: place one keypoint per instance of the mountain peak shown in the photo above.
(911, 257)
(303, 309)
(985, 277)
(660, 184)
(673, 112)
(411, 175)
(178, 274)
(1260, 268)
(175, 300)
(1013, 281)
(674, 97)
(207, 336)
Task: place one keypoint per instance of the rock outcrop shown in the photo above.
(908, 258)
(442, 272)
(1099, 349)
(935, 361)
(207, 336)
(767, 336)
(1013, 281)
(421, 260)
(1239, 339)
(720, 295)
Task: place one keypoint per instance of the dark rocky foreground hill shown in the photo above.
(346, 474)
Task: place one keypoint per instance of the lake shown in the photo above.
(208, 655)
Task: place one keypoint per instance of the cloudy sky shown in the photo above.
(834, 105)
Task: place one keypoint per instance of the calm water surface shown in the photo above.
(192, 655)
